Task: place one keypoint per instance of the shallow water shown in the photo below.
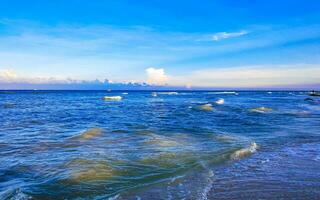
(75, 145)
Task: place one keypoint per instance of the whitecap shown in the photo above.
(112, 98)
(220, 101)
(261, 110)
(241, 153)
(206, 107)
(114, 197)
(169, 93)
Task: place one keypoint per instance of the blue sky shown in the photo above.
(178, 43)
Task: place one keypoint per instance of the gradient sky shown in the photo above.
(187, 43)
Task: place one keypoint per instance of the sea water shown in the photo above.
(172, 145)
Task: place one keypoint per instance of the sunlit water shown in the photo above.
(185, 145)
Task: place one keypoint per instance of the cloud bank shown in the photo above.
(9, 79)
(303, 76)
(252, 76)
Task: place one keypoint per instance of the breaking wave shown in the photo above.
(241, 153)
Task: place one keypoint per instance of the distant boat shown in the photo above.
(315, 94)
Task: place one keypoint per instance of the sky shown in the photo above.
(189, 44)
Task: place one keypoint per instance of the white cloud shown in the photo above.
(7, 74)
(156, 76)
(251, 76)
(225, 35)
(10, 76)
(235, 77)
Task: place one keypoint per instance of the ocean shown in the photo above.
(159, 145)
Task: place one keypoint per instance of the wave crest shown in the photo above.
(241, 153)
(112, 98)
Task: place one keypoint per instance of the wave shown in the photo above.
(15, 194)
(115, 197)
(226, 92)
(161, 141)
(169, 93)
(226, 138)
(206, 107)
(88, 134)
(83, 170)
(220, 101)
(112, 98)
(8, 105)
(241, 153)
(261, 110)
(154, 94)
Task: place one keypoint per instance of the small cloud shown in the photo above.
(10, 80)
(156, 76)
(225, 35)
(8, 75)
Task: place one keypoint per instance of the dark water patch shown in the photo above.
(8, 105)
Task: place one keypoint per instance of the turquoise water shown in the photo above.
(184, 145)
